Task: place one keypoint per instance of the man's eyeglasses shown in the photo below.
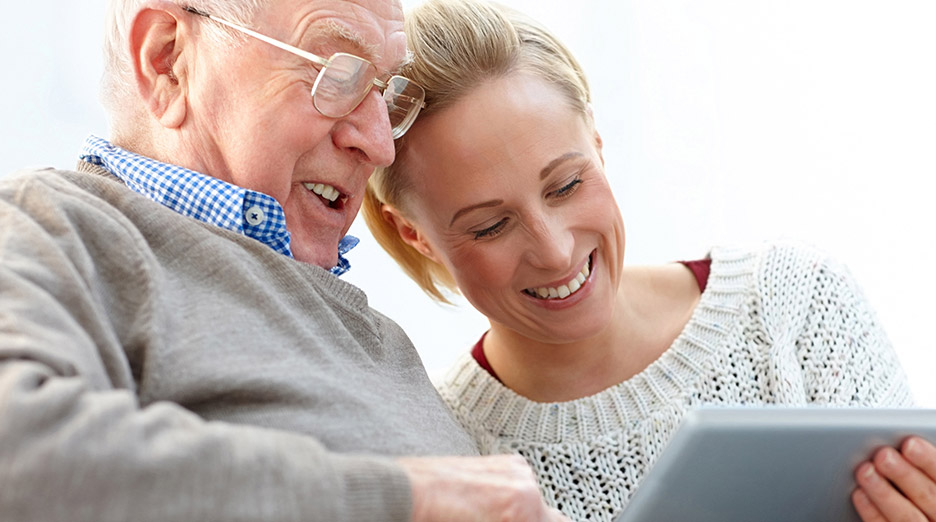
(344, 81)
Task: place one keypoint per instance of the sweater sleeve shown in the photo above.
(76, 444)
(844, 352)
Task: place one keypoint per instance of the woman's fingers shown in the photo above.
(865, 508)
(912, 471)
(898, 490)
(890, 502)
(921, 453)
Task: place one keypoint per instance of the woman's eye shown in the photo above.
(490, 231)
(568, 189)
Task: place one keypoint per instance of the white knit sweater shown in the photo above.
(776, 325)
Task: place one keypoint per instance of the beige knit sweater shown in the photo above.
(155, 368)
(776, 325)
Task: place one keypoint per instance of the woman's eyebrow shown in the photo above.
(543, 173)
(558, 161)
(491, 203)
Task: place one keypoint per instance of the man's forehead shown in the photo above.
(372, 29)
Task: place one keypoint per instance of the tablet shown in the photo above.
(768, 464)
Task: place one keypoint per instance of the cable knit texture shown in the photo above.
(777, 324)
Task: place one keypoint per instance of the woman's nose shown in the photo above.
(551, 244)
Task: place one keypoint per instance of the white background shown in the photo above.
(724, 121)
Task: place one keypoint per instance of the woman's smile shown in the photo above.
(563, 291)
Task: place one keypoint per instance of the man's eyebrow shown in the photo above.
(486, 204)
(332, 32)
(558, 161)
(408, 58)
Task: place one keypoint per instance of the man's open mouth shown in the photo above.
(328, 193)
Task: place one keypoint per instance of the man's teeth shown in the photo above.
(326, 191)
(561, 292)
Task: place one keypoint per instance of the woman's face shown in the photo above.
(509, 194)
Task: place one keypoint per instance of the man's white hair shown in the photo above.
(118, 90)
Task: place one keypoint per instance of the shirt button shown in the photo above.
(255, 215)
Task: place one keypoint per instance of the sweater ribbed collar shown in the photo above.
(504, 413)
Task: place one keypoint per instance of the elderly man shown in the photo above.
(173, 345)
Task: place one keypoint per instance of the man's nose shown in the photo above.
(367, 130)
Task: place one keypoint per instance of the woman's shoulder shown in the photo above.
(786, 280)
(466, 382)
(782, 248)
(782, 262)
(478, 401)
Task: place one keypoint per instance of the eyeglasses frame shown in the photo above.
(380, 84)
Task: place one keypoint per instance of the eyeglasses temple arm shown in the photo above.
(276, 43)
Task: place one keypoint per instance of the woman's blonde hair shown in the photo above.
(457, 45)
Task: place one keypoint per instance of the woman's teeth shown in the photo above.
(563, 291)
(326, 191)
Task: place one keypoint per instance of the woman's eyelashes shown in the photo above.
(561, 193)
(491, 231)
(567, 189)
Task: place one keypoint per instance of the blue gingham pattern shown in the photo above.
(202, 197)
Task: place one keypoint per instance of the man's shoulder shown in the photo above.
(60, 184)
(71, 209)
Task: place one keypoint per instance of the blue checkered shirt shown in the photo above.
(202, 197)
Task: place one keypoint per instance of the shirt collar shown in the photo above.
(203, 197)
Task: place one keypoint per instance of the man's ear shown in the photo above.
(156, 43)
(408, 232)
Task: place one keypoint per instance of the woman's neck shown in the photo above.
(652, 307)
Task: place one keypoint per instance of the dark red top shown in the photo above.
(700, 269)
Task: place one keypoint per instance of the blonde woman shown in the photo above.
(499, 192)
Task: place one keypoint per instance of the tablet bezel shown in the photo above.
(768, 463)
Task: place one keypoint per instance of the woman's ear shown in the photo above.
(599, 144)
(156, 45)
(407, 231)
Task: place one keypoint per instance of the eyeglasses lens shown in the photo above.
(346, 80)
(342, 84)
(404, 100)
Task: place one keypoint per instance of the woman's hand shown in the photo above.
(898, 485)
